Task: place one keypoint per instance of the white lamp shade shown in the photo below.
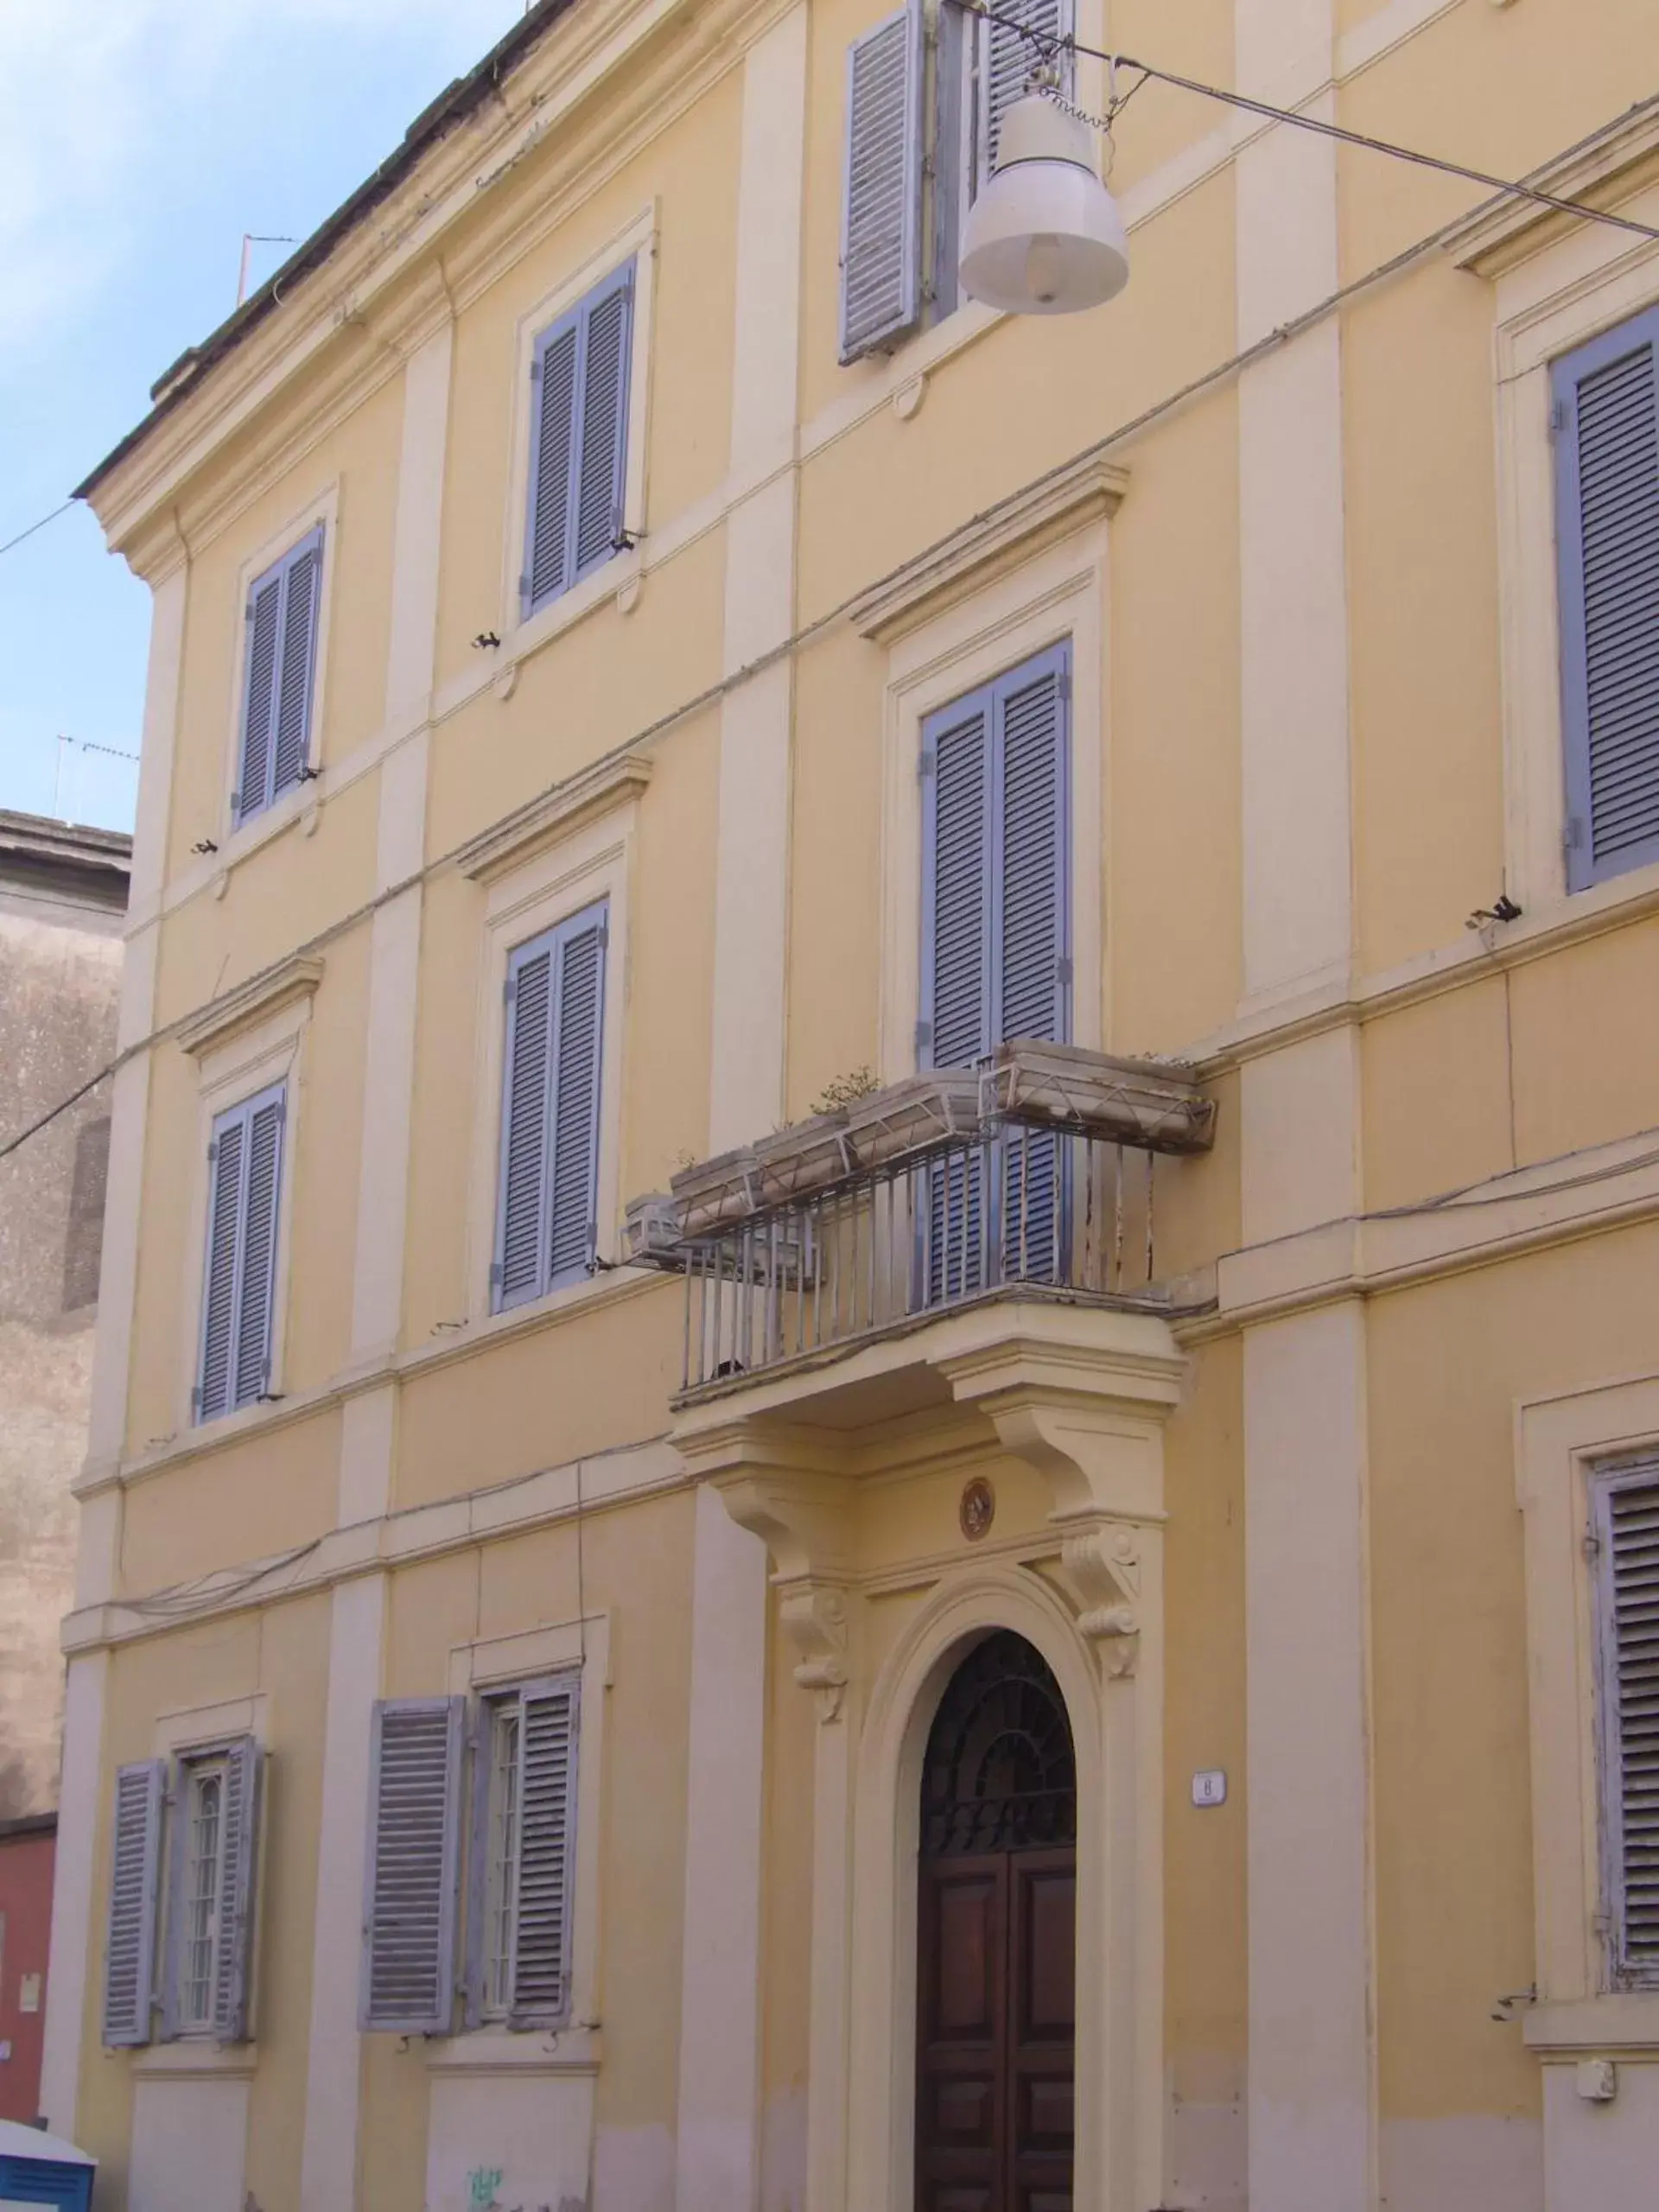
(1045, 236)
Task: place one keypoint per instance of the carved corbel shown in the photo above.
(1085, 1406)
(1103, 1565)
(777, 1486)
(814, 1616)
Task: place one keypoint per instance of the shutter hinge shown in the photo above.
(924, 1038)
(1572, 833)
(1557, 415)
(247, 613)
(1065, 687)
(926, 762)
(213, 1152)
(604, 936)
(282, 1113)
(509, 990)
(524, 595)
(1591, 1545)
(495, 1274)
(535, 369)
(195, 1397)
(1062, 968)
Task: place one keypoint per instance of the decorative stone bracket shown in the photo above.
(776, 1486)
(1086, 1408)
(814, 1616)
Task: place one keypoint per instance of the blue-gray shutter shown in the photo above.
(258, 694)
(552, 446)
(1008, 61)
(280, 675)
(130, 1944)
(302, 591)
(1033, 981)
(226, 1154)
(256, 1289)
(579, 440)
(601, 460)
(995, 945)
(546, 1227)
(409, 1910)
(995, 932)
(955, 1024)
(881, 192)
(1606, 413)
(1029, 930)
(547, 1837)
(244, 1161)
(232, 1998)
(475, 1901)
(1626, 1525)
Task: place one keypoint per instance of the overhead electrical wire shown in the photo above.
(34, 526)
(1049, 43)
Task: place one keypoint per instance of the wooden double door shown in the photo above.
(996, 2014)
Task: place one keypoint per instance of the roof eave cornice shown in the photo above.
(372, 289)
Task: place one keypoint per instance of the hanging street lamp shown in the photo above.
(1045, 236)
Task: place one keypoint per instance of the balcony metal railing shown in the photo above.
(1015, 1205)
(1032, 1171)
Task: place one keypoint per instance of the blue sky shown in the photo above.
(138, 140)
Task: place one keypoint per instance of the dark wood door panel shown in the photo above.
(996, 2008)
(1045, 1941)
(967, 1983)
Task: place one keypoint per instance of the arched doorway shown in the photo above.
(996, 1919)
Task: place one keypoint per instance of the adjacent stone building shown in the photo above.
(63, 894)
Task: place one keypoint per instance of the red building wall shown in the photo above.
(28, 1849)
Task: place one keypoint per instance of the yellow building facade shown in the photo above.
(1060, 1621)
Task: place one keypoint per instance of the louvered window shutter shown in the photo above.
(1626, 1522)
(258, 695)
(547, 1802)
(955, 886)
(1006, 61)
(244, 1162)
(995, 905)
(601, 460)
(881, 195)
(579, 441)
(1030, 928)
(279, 676)
(995, 953)
(409, 1912)
(548, 1200)
(1606, 415)
(1033, 970)
(129, 1950)
(244, 1781)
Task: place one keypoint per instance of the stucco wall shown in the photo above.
(59, 977)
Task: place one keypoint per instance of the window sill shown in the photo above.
(528, 636)
(1626, 2021)
(515, 2051)
(197, 2058)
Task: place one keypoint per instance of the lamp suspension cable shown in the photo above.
(1047, 45)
